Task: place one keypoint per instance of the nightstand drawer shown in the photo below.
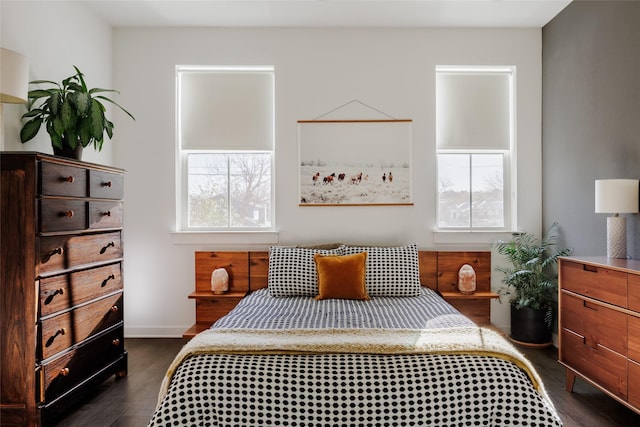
(600, 364)
(61, 374)
(105, 185)
(598, 324)
(105, 214)
(67, 290)
(596, 282)
(210, 310)
(59, 253)
(69, 328)
(62, 215)
(63, 180)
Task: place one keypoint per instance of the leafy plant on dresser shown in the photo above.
(73, 115)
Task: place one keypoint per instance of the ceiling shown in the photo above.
(328, 13)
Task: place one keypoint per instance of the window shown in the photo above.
(225, 142)
(475, 146)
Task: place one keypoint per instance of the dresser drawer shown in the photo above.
(105, 214)
(598, 324)
(633, 287)
(634, 338)
(105, 185)
(59, 253)
(634, 383)
(71, 368)
(604, 366)
(62, 215)
(62, 180)
(62, 331)
(596, 282)
(67, 290)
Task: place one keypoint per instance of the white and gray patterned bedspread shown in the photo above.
(262, 311)
(350, 389)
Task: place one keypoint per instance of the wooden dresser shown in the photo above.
(61, 295)
(599, 325)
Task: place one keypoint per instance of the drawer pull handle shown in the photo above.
(107, 213)
(68, 179)
(50, 297)
(105, 281)
(114, 309)
(64, 372)
(68, 214)
(109, 245)
(106, 184)
(60, 331)
(47, 257)
(589, 306)
(590, 268)
(116, 342)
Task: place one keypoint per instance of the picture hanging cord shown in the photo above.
(351, 102)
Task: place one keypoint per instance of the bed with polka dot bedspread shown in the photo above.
(352, 389)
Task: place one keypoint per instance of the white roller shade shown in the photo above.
(473, 110)
(226, 110)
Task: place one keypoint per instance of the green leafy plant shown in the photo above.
(72, 113)
(531, 280)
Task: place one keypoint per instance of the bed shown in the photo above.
(349, 337)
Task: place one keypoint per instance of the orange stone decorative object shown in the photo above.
(467, 280)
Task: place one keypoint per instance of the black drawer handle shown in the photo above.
(105, 281)
(60, 331)
(109, 245)
(56, 251)
(107, 213)
(52, 296)
(106, 184)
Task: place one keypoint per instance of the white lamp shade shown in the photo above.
(617, 195)
(14, 77)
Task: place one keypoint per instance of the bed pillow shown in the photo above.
(391, 271)
(341, 276)
(292, 271)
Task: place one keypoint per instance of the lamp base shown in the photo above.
(617, 237)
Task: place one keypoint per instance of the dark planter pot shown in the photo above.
(529, 328)
(68, 152)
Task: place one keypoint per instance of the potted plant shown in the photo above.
(73, 115)
(531, 285)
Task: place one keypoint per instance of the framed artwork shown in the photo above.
(355, 162)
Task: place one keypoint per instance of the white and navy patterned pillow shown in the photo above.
(292, 271)
(391, 271)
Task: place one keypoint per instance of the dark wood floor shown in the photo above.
(129, 402)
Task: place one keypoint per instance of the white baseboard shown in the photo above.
(153, 332)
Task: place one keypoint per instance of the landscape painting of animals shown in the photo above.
(355, 162)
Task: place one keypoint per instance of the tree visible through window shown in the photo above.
(229, 190)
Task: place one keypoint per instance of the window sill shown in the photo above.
(242, 238)
(470, 237)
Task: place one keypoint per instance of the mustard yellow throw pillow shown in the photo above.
(341, 276)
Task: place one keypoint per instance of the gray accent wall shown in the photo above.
(590, 117)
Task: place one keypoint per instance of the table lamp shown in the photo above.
(14, 77)
(617, 196)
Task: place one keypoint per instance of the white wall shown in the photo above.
(55, 36)
(316, 70)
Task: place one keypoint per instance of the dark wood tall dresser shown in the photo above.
(61, 302)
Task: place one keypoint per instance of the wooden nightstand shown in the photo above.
(209, 306)
(477, 306)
